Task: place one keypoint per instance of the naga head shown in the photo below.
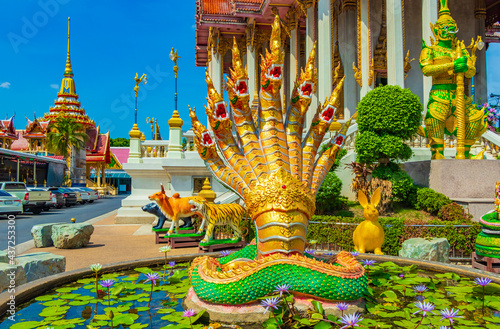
(325, 116)
(217, 113)
(306, 85)
(237, 84)
(445, 27)
(204, 142)
(272, 65)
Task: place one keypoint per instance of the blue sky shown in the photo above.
(110, 42)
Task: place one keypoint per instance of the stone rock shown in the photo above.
(38, 265)
(437, 249)
(42, 235)
(4, 257)
(10, 272)
(71, 236)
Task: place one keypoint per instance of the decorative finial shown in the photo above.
(206, 191)
(68, 71)
(135, 133)
(175, 121)
(444, 10)
(276, 39)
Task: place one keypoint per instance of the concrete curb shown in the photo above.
(30, 290)
(25, 246)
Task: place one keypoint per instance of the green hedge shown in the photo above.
(460, 238)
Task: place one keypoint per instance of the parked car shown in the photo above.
(93, 194)
(77, 194)
(84, 194)
(70, 197)
(58, 198)
(33, 201)
(10, 204)
(51, 203)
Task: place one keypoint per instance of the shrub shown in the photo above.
(430, 200)
(454, 212)
(387, 116)
(328, 197)
(402, 184)
(460, 238)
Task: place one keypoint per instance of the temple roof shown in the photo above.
(232, 17)
(101, 151)
(7, 129)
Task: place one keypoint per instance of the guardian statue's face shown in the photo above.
(445, 29)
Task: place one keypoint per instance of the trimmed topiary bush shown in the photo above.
(430, 200)
(387, 116)
(454, 212)
(328, 197)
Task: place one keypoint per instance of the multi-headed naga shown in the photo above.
(277, 171)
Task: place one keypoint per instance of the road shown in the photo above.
(82, 213)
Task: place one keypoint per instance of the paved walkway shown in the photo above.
(113, 243)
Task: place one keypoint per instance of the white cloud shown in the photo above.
(54, 85)
(5, 85)
(193, 26)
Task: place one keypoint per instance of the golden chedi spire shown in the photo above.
(206, 191)
(68, 84)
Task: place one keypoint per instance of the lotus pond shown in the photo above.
(398, 297)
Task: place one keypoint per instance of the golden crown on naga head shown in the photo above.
(275, 169)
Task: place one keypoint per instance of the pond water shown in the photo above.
(390, 302)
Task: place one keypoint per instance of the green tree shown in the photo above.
(119, 142)
(387, 116)
(64, 135)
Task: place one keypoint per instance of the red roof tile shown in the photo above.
(217, 7)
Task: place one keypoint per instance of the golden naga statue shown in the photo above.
(277, 172)
(449, 110)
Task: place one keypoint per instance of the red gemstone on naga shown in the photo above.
(284, 186)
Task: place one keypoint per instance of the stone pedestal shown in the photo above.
(468, 182)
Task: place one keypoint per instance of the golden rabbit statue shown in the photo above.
(369, 235)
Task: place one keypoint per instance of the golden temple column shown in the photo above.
(216, 60)
(103, 172)
(395, 57)
(324, 50)
(429, 15)
(98, 173)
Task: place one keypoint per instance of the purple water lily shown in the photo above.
(368, 262)
(420, 288)
(106, 283)
(171, 264)
(270, 303)
(354, 253)
(188, 313)
(225, 253)
(153, 276)
(424, 307)
(482, 281)
(449, 314)
(350, 320)
(282, 289)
